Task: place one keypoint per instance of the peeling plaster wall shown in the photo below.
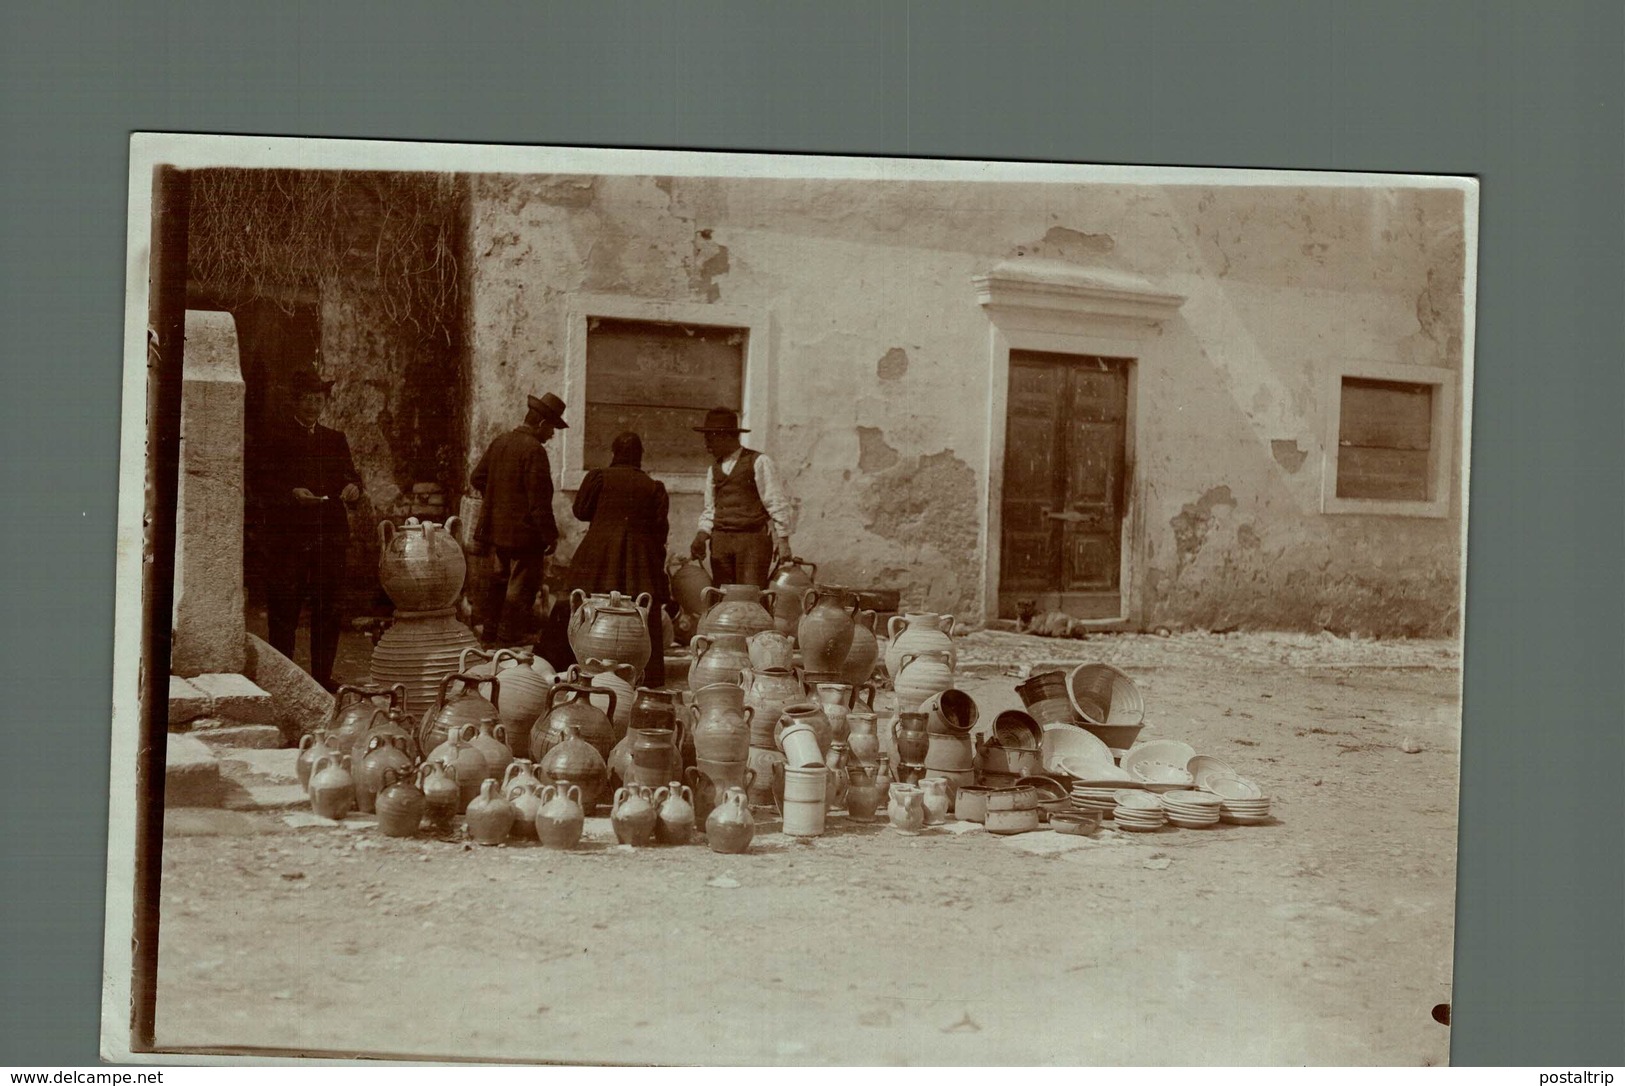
(881, 364)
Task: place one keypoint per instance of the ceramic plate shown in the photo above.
(1203, 767)
(1243, 820)
(1144, 801)
(1193, 823)
(1166, 751)
(1234, 788)
(1140, 827)
(1087, 756)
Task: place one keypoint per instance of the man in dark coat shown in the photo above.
(305, 479)
(516, 518)
(625, 546)
(746, 519)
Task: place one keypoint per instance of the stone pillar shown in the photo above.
(209, 626)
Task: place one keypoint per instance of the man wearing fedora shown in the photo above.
(746, 519)
(306, 478)
(515, 481)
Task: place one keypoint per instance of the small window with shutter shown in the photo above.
(1390, 444)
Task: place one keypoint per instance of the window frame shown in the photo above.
(1441, 440)
(754, 414)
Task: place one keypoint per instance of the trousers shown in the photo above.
(300, 571)
(510, 597)
(741, 557)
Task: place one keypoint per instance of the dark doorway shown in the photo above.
(1065, 455)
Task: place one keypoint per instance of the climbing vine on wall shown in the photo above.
(268, 234)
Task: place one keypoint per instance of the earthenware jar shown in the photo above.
(313, 747)
(615, 631)
(709, 781)
(719, 723)
(441, 796)
(768, 692)
(836, 762)
(859, 667)
(802, 798)
(633, 815)
(522, 681)
(935, 798)
(384, 753)
(490, 817)
(862, 797)
(655, 757)
(729, 827)
(838, 700)
(883, 778)
(520, 775)
(920, 675)
(825, 630)
(418, 651)
(688, 581)
(953, 753)
(654, 709)
(771, 649)
(353, 709)
(455, 711)
(797, 740)
(421, 565)
(787, 583)
(492, 741)
(675, 822)
(524, 792)
(332, 789)
(574, 761)
(559, 818)
(916, 633)
(608, 680)
(390, 724)
(399, 804)
(906, 808)
(861, 737)
(1046, 699)
(468, 765)
(910, 738)
(718, 659)
(734, 608)
(568, 708)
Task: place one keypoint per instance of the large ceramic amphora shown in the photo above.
(570, 710)
(718, 659)
(611, 630)
(522, 681)
(826, 628)
(916, 633)
(353, 709)
(767, 692)
(921, 675)
(719, 723)
(421, 564)
(859, 667)
(452, 712)
(734, 608)
(786, 585)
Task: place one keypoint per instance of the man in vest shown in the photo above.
(746, 520)
(516, 522)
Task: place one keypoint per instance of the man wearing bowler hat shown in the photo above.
(747, 516)
(305, 478)
(516, 522)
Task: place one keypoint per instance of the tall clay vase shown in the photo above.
(862, 739)
(921, 675)
(421, 565)
(859, 667)
(441, 796)
(419, 650)
(332, 789)
(490, 817)
(719, 723)
(734, 608)
(559, 818)
(921, 632)
(719, 659)
(826, 629)
(615, 631)
(729, 827)
(400, 804)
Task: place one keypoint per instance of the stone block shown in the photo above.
(186, 702)
(191, 774)
(299, 702)
(242, 796)
(269, 766)
(236, 698)
(227, 735)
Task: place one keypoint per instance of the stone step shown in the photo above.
(238, 795)
(231, 698)
(191, 773)
(226, 734)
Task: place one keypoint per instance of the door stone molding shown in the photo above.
(1045, 305)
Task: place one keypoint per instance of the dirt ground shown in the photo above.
(1322, 938)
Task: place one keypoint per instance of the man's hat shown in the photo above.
(721, 420)
(303, 381)
(551, 407)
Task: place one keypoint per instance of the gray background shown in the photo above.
(1526, 96)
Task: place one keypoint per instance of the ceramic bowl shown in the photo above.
(1015, 729)
(1168, 752)
(1152, 774)
(1077, 746)
(1117, 737)
(1234, 788)
(1005, 822)
(1203, 768)
(1101, 694)
(1046, 787)
(1012, 799)
(1081, 823)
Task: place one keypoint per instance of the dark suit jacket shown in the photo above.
(625, 546)
(515, 482)
(318, 460)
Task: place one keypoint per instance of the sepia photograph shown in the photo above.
(619, 607)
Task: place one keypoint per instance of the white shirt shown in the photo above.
(768, 485)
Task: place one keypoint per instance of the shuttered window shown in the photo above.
(659, 379)
(1384, 442)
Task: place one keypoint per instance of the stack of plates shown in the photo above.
(1240, 800)
(1086, 798)
(1138, 811)
(1192, 810)
(1162, 778)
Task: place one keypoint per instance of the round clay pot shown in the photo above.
(489, 817)
(615, 631)
(384, 754)
(421, 565)
(734, 608)
(951, 712)
(917, 633)
(354, 709)
(825, 630)
(400, 804)
(569, 709)
(522, 680)
(559, 818)
(729, 827)
(574, 761)
(454, 712)
(614, 689)
(719, 659)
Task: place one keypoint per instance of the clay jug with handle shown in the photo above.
(490, 817)
(729, 827)
(441, 796)
(825, 630)
(400, 804)
(675, 824)
(332, 789)
(786, 585)
(559, 818)
(859, 667)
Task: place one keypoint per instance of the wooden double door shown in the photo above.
(1065, 461)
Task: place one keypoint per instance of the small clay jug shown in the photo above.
(836, 780)
(729, 827)
(936, 800)
(910, 738)
(520, 775)
(771, 649)
(490, 817)
(675, 824)
(467, 764)
(332, 789)
(384, 752)
(313, 747)
(861, 738)
(400, 804)
(708, 782)
(633, 815)
(883, 778)
(523, 793)
(492, 741)
(559, 818)
(441, 796)
(906, 808)
(862, 797)
(353, 709)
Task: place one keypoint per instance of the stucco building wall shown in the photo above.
(878, 364)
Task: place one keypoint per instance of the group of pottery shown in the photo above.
(422, 568)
